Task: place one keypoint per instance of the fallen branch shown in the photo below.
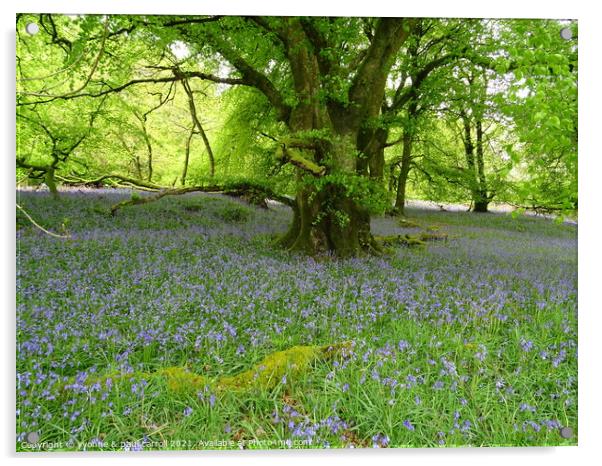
(40, 227)
(232, 189)
(97, 182)
(252, 192)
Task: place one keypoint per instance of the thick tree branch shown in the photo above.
(402, 98)
(21, 163)
(236, 189)
(250, 76)
(319, 43)
(293, 156)
(264, 23)
(367, 90)
(98, 181)
(192, 20)
(254, 78)
(62, 42)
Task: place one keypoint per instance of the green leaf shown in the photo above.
(555, 121)
(539, 116)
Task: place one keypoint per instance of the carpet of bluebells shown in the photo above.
(465, 342)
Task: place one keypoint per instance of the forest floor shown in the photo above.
(155, 329)
(493, 208)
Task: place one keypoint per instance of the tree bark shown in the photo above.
(375, 153)
(149, 148)
(325, 218)
(246, 189)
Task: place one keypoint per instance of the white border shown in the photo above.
(590, 238)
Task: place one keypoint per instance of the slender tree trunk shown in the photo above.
(135, 157)
(209, 151)
(402, 179)
(197, 123)
(149, 146)
(392, 178)
(187, 157)
(409, 133)
(138, 165)
(481, 202)
(149, 152)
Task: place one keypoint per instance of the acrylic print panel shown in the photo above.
(295, 232)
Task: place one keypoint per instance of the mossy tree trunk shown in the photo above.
(327, 218)
(405, 166)
(477, 179)
(482, 198)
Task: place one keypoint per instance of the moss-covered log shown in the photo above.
(433, 236)
(407, 223)
(400, 240)
(265, 375)
(410, 240)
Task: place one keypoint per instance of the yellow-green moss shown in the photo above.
(411, 240)
(406, 240)
(264, 375)
(267, 373)
(406, 223)
(181, 380)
